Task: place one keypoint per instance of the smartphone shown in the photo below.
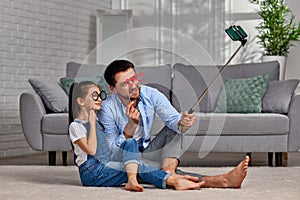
(236, 33)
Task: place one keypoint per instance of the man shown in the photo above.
(129, 113)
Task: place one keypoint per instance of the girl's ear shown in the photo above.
(113, 89)
(80, 101)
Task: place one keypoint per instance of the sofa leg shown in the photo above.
(278, 159)
(64, 158)
(284, 159)
(270, 159)
(52, 158)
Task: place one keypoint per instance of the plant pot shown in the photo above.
(282, 63)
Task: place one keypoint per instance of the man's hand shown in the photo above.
(186, 121)
(133, 115)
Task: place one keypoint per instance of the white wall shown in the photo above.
(37, 39)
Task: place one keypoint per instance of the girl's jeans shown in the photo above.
(96, 173)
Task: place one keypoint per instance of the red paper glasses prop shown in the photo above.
(136, 79)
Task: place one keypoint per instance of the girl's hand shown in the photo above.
(89, 144)
(92, 118)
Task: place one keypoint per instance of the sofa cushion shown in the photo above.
(278, 96)
(242, 95)
(240, 124)
(52, 95)
(99, 80)
(190, 81)
(55, 123)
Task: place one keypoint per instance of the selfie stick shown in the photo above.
(235, 33)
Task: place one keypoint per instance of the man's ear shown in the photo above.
(80, 101)
(113, 89)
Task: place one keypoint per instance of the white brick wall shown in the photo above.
(37, 39)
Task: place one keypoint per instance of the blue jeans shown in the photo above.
(95, 173)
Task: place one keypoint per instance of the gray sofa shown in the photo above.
(266, 131)
(44, 131)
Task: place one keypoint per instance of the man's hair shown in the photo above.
(115, 67)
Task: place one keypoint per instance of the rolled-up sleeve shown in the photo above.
(167, 113)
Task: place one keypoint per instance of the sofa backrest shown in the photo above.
(189, 82)
(155, 76)
(83, 70)
(158, 77)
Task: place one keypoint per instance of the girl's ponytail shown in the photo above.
(77, 90)
(71, 103)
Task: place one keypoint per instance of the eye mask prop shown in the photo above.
(134, 83)
(135, 79)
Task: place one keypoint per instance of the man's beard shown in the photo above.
(135, 99)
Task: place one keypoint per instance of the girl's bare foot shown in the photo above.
(187, 177)
(180, 182)
(235, 177)
(133, 185)
(184, 184)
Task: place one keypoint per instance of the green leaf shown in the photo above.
(277, 31)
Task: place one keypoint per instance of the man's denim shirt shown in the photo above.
(113, 116)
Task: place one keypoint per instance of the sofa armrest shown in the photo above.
(31, 113)
(294, 115)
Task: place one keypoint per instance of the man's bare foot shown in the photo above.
(172, 172)
(133, 185)
(169, 165)
(235, 177)
(232, 179)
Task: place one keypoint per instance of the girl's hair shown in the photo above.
(78, 90)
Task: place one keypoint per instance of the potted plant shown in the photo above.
(277, 31)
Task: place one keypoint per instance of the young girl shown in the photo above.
(92, 154)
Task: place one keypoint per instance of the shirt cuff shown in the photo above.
(120, 140)
(164, 184)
